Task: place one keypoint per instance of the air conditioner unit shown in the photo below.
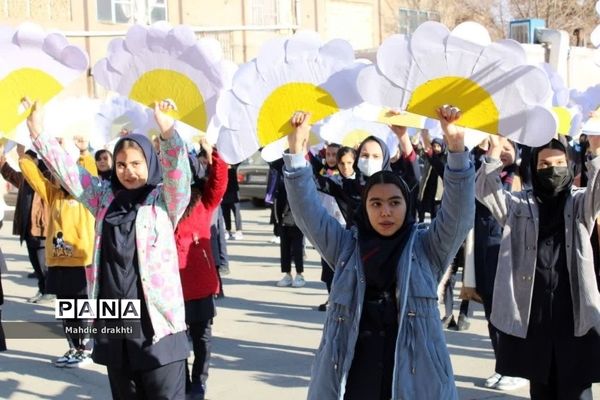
(523, 30)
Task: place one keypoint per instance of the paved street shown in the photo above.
(264, 336)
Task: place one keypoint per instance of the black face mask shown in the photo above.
(554, 180)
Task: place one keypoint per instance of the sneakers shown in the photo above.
(449, 323)
(463, 323)
(35, 298)
(224, 270)
(79, 359)
(323, 307)
(238, 235)
(275, 240)
(47, 298)
(62, 360)
(492, 381)
(285, 281)
(228, 235)
(510, 383)
(32, 275)
(298, 281)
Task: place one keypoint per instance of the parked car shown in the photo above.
(252, 177)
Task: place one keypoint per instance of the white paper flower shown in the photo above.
(348, 129)
(490, 82)
(159, 62)
(36, 64)
(71, 116)
(298, 73)
(568, 117)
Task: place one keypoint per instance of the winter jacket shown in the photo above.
(196, 263)
(517, 213)
(154, 227)
(33, 215)
(70, 232)
(422, 363)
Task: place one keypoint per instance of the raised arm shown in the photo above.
(34, 177)
(321, 229)
(217, 180)
(177, 176)
(457, 212)
(79, 182)
(488, 186)
(591, 204)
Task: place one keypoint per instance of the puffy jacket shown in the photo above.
(422, 363)
(192, 236)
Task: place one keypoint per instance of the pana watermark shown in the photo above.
(97, 309)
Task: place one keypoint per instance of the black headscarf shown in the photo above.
(386, 165)
(380, 254)
(551, 202)
(127, 201)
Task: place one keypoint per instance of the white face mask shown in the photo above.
(370, 166)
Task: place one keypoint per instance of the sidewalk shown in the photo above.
(264, 336)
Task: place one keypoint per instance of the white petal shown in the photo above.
(271, 55)
(244, 82)
(54, 44)
(428, 46)
(156, 39)
(179, 39)
(303, 45)
(74, 57)
(236, 146)
(211, 50)
(394, 60)
(342, 86)
(598, 7)
(462, 56)
(503, 54)
(339, 50)
(135, 40)
(473, 32)
(533, 127)
(376, 89)
(29, 34)
(274, 151)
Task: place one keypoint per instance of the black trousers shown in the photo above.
(291, 246)
(553, 391)
(201, 334)
(36, 248)
(227, 209)
(163, 383)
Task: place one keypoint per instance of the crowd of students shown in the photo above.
(149, 221)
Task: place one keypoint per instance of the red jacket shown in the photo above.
(196, 264)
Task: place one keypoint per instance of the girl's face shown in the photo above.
(371, 149)
(131, 168)
(104, 162)
(330, 156)
(507, 156)
(386, 208)
(345, 166)
(437, 149)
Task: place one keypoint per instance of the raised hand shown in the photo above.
(165, 122)
(298, 139)
(594, 142)
(207, 147)
(454, 135)
(35, 117)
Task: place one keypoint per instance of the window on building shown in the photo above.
(264, 12)
(126, 11)
(409, 19)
